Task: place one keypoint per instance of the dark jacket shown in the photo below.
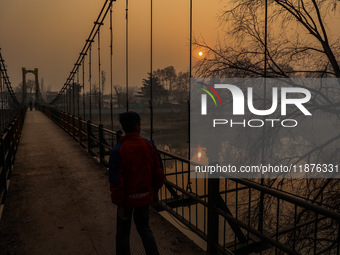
(135, 171)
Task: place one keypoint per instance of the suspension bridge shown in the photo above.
(53, 183)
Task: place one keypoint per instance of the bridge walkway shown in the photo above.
(59, 201)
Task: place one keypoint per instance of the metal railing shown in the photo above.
(225, 212)
(95, 138)
(9, 141)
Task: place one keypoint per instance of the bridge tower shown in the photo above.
(36, 87)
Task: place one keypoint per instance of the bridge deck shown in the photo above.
(58, 201)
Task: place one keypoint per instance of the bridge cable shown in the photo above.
(7, 82)
(2, 103)
(151, 76)
(99, 80)
(7, 115)
(83, 81)
(190, 76)
(90, 82)
(68, 99)
(86, 47)
(64, 103)
(73, 98)
(69, 111)
(127, 54)
(78, 90)
(111, 66)
(67, 96)
(65, 100)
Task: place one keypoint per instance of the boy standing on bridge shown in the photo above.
(136, 175)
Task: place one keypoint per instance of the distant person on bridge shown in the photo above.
(35, 106)
(136, 175)
(30, 105)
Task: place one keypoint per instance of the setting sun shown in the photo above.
(200, 53)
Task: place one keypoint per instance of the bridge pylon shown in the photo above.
(36, 87)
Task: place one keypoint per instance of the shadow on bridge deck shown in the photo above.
(59, 201)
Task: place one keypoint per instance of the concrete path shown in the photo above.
(59, 201)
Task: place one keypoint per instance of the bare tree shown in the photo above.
(299, 44)
(310, 50)
(121, 94)
(103, 79)
(181, 86)
(121, 97)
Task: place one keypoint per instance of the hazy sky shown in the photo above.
(49, 35)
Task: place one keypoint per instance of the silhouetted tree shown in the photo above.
(177, 85)
(311, 51)
(103, 79)
(159, 93)
(167, 77)
(181, 86)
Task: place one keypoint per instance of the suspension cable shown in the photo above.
(7, 117)
(151, 76)
(99, 80)
(66, 99)
(7, 82)
(90, 83)
(190, 43)
(190, 76)
(73, 98)
(83, 80)
(265, 39)
(111, 66)
(127, 55)
(93, 33)
(69, 99)
(78, 90)
(2, 102)
(64, 102)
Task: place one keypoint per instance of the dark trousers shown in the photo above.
(141, 219)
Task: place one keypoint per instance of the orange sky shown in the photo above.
(49, 35)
